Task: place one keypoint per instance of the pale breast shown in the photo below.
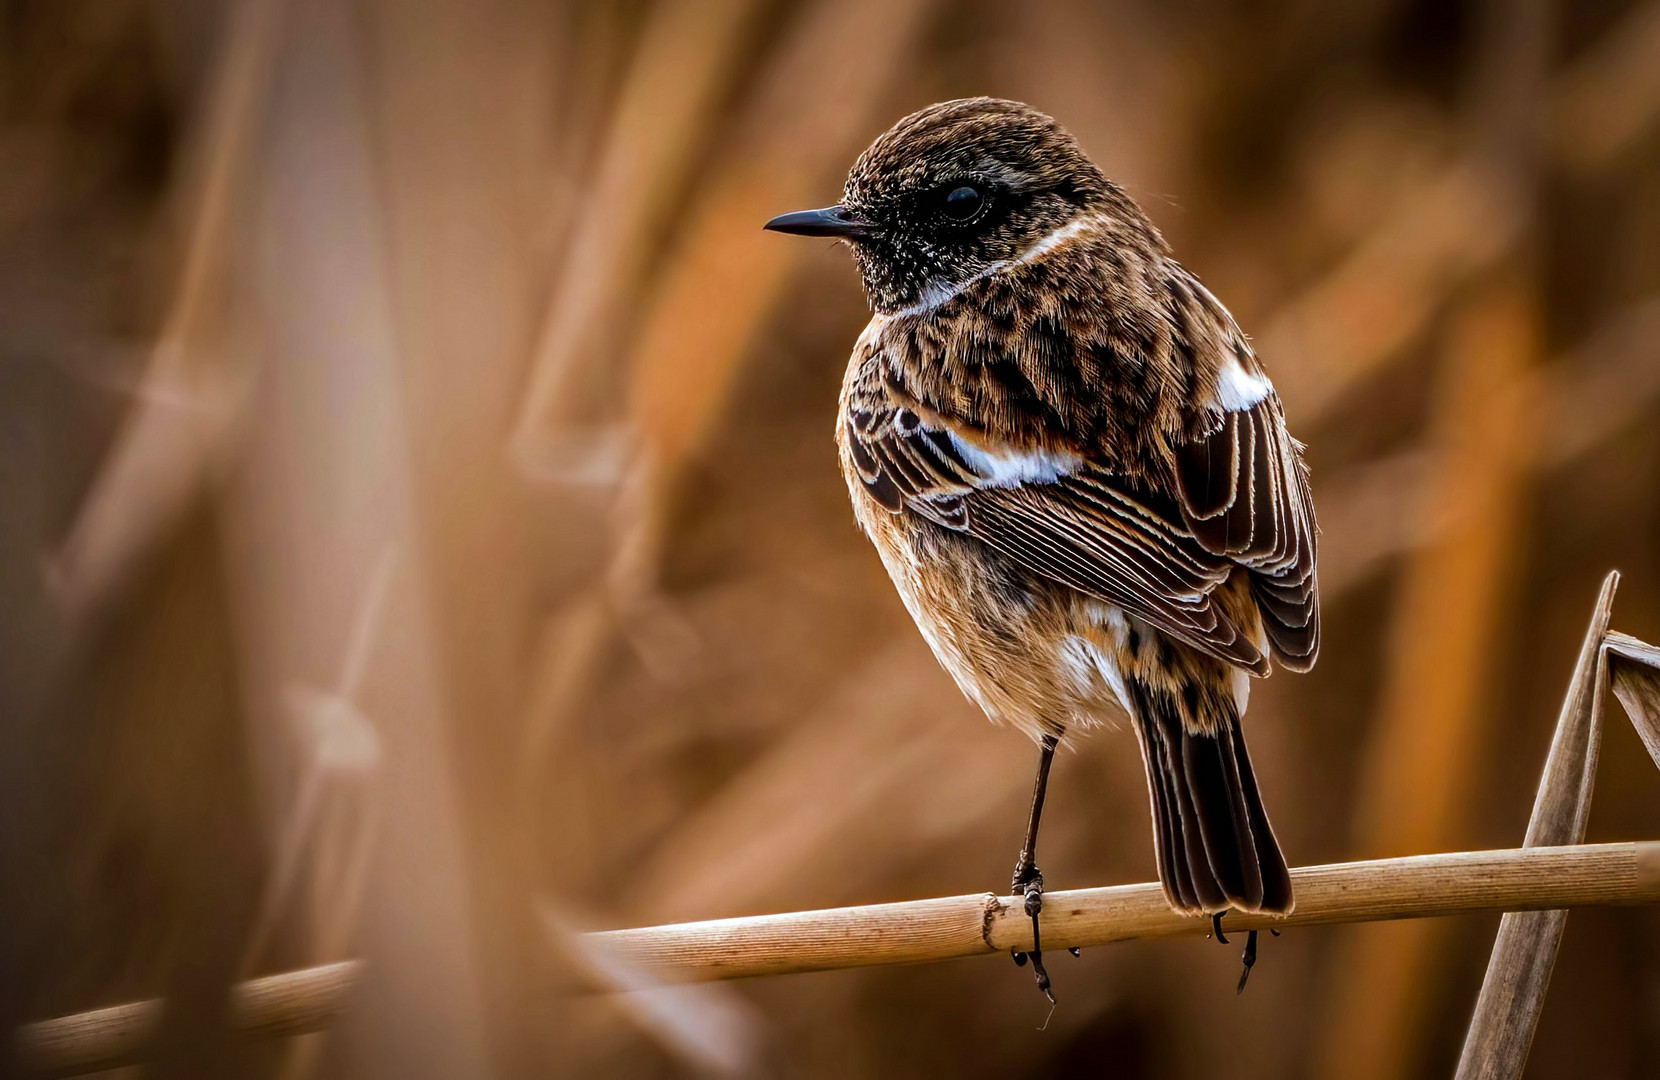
(1032, 654)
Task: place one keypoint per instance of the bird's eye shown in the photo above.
(963, 203)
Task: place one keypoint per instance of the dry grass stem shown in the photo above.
(1634, 667)
(1422, 886)
(1606, 101)
(1414, 788)
(163, 452)
(670, 99)
(710, 1029)
(1518, 972)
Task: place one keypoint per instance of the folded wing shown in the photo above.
(1243, 492)
(1240, 499)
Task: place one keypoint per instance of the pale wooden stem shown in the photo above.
(1422, 886)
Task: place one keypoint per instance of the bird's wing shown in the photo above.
(1240, 497)
(1057, 516)
(1243, 494)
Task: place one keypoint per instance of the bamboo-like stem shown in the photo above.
(1421, 886)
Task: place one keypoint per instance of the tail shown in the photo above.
(1215, 847)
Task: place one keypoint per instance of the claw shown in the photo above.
(1073, 949)
(1249, 958)
(1042, 978)
(1034, 906)
(1028, 881)
(1216, 927)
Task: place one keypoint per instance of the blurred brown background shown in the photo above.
(420, 535)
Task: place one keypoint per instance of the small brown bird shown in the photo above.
(1077, 474)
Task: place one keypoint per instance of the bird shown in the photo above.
(1078, 476)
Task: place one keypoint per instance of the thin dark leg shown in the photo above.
(1028, 851)
(1028, 879)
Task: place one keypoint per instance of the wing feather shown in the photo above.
(1268, 523)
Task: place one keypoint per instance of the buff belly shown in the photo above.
(1031, 653)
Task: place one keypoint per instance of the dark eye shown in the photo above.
(963, 203)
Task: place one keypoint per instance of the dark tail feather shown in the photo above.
(1215, 847)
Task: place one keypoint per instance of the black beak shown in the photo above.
(831, 221)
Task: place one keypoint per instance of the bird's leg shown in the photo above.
(1028, 879)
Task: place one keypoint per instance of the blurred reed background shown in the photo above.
(420, 535)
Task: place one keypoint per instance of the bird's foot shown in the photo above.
(1248, 957)
(1028, 882)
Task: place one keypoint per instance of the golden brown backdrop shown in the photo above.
(420, 536)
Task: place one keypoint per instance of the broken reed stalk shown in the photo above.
(1420, 886)
(1512, 997)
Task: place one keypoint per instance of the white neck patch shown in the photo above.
(937, 293)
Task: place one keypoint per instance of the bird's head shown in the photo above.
(952, 191)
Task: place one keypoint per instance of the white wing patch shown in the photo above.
(1011, 468)
(1237, 389)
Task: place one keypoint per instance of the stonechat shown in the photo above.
(1077, 474)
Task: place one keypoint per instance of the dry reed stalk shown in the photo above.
(184, 410)
(724, 279)
(330, 837)
(1634, 667)
(711, 1029)
(323, 491)
(881, 768)
(273, 1006)
(670, 99)
(1421, 886)
(1383, 295)
(341, 755)
(1604, 385)
(1611, 96)
(1579, 400)
(1518, 973)
(1416, 781)
(1422, 761)
(1358, 318)
(813, 102)
(469, 103)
